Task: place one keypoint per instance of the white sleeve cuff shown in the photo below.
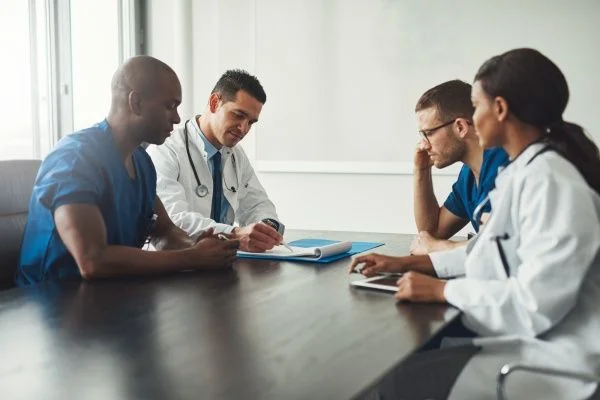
(453, 290)
(449, 263)
(218, 228)
(223, 228)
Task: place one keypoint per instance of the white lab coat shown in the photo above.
(546, 312)
(176, 184)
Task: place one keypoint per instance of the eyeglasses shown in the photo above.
(425, 133)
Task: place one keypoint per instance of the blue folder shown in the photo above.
(357, 247)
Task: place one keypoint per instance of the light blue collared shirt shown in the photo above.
(210, 152)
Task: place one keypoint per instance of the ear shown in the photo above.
(214, 102)
(135, 102)
(500, 108)
(462, 125)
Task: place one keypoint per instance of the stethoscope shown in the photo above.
(505, 236)
(479, 209)
(202, 189)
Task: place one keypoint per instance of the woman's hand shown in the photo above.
(419, 288)
(374, 264)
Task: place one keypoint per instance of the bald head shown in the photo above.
(145, 95)
(142, 74)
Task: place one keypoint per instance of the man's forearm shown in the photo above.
(420, 264)
(174, 239)
(426, 207)
(115, 261)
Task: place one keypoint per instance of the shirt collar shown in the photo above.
(208, 146)
(526, 155)
(506, 172)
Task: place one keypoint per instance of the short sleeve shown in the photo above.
(69, 177)
(453, 202)
(493, 160)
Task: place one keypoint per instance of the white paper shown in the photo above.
(310, 252)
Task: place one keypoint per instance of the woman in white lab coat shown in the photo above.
(529, 284)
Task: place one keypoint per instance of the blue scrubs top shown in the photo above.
(85, 168)
(466, 194)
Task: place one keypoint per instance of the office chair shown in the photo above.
(16, 183)
(508, 369)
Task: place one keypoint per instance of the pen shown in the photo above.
(358, 268)
(287, 246)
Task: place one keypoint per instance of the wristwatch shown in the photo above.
(273, 223)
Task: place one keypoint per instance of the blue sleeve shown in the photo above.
(69, 177)
(453, 202)
(149, 171)
(149, 175)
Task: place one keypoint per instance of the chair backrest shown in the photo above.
(16, 183)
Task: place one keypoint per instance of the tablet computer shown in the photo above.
(386, 283)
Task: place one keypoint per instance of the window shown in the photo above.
(95, 57)
(16, 111)
(58, 60)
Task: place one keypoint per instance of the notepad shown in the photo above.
(328, 251)
(315, 252)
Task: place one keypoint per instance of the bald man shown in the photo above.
(94, 203)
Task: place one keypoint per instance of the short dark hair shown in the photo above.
(234, 80)
(452, 99)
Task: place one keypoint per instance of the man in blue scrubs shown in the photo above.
(444, 118)
(94, 202)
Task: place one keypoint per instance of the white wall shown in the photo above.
(334, 144)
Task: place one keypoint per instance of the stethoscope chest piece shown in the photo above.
(201, 190)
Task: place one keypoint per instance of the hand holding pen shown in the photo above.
(280, 228)
(257, 237)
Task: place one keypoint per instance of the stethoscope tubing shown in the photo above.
(201, 189)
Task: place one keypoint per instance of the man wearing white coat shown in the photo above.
(529, 284)
(206, 181)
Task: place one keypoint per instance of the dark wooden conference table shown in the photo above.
(261, 330)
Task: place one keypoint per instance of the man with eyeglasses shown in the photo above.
(448, 136)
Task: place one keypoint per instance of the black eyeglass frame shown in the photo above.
(425, 133)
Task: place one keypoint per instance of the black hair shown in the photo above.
(537, 94)
(234, 80)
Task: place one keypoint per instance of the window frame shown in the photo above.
(51, 64)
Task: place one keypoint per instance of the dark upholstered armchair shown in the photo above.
(16, 183)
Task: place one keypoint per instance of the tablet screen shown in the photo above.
(387, 283)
